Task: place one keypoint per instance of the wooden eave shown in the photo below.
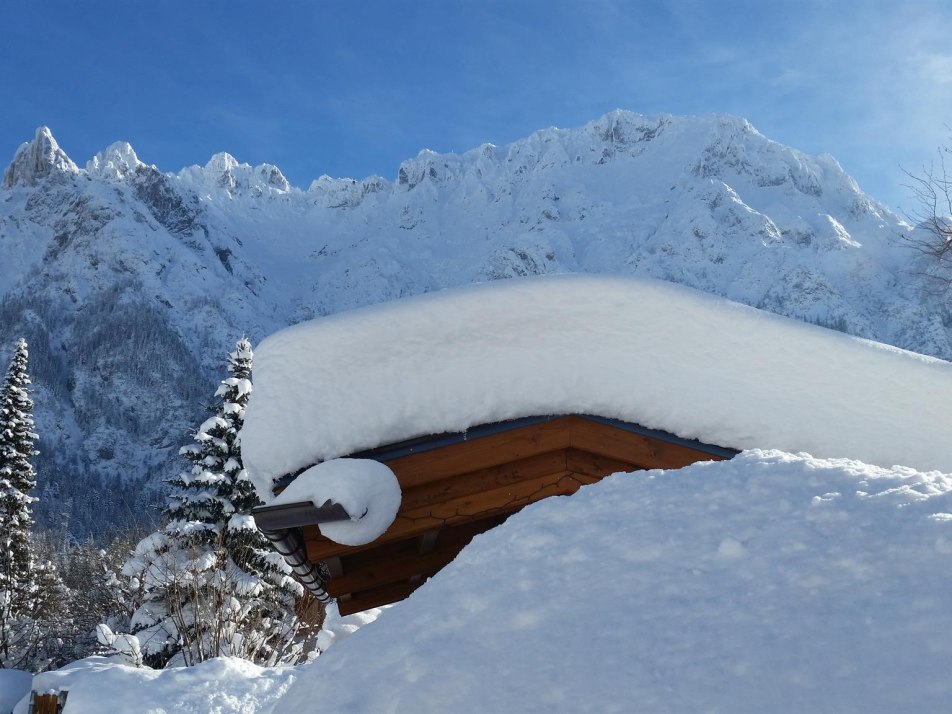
(456, 486)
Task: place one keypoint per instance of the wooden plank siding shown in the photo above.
(456, 491)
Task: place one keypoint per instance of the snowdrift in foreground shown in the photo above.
(644, 351)
(771, 582)
(14, 684)
(219, 686)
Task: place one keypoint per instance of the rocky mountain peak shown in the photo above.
(116, 162)
(37, 159)
(224, 171)
(271, 176)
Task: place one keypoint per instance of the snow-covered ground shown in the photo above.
(772, 582)
(645, 351)
(226, 685)
(14, 685)
(218, 686)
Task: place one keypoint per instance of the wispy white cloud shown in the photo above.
(934, 67)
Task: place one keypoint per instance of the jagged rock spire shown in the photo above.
(37, 159)
(117, 161)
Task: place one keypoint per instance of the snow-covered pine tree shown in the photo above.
(212, 584)
(29, 592)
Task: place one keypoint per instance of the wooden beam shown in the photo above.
(460, 535)
(386, 571)
(622, 445)
(472, 482)
(334, 567)
(497, 501)
(426, 543)
(401, 561)
(589, 464)
(484, 452)
(375, 598)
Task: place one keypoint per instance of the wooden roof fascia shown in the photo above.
(436, 441)
(465, 482)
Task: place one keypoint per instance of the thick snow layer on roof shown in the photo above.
(769, 583)
(653, 353)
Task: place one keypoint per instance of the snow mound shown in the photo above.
(224, 685)
(772, 582)
(14, 685)
(644, 351)
(367, 489)
(337, 628)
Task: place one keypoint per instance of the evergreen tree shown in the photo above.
(212, 583)
(29, 592)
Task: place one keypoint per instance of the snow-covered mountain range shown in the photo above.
(132, 284)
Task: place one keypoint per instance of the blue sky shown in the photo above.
(353, 88)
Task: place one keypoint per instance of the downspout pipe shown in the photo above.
(282, 526)
(289, 543)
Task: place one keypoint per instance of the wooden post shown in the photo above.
(51, 703)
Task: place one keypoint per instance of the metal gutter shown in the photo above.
(302, 513)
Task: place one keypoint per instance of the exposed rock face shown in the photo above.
(131, 284)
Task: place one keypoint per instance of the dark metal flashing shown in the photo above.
(437, 441)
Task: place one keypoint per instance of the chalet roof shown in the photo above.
(449, 488)
(641, 351)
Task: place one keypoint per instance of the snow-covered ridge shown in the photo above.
(646, 352)
(717, 142)
(224, 171)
